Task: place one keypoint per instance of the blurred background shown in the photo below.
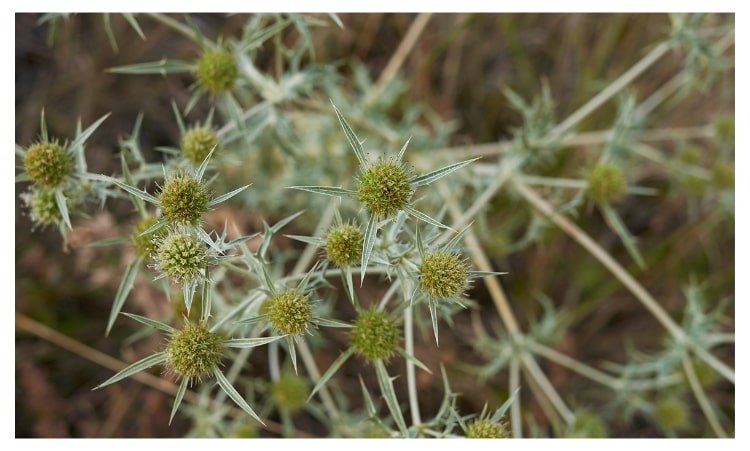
(459, 68)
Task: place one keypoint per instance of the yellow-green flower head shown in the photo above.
(374, 430)
(671, 413)
(344, 245)
(144, 244)
(290, 392)
(443, 275)
(723, 175)
(691, 154)
(197, 143)
(216, 71)
(374, 335)
(724, 128)
(193, 351)
(484, 428)
(587, 425)
(182, 256)
(606, 183)
(384, 188)
(43, 206)
(183, 200)
(47, 163)
(290, 312)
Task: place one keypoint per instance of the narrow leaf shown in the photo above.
(63, 207)
(138, 366)
(430, 177)
(325, 190)
(206, 297)
(346, 275)
(178, 398)
(178, 118)
(109, 242)
(389, 394)
(162, 67)
(81, 139)
(457, 239)
(414, 360)
(232, 393)
(354, 142)
(122, 292)
(504, 408)
(152, 323)
(188, 292)
(130, 17)
(327, 322)
(226, 196)
(420, 245)
(331, 371)
(400, 155)
(282, 223)
(250, 342)
(614, 221)
(424, 218)
(202, 168)
(315, 241)
(43, 126)
(368, 244)
(292, 352)
(335, 18)
(433, 314)
(475, 274)
(253, 320)
(368, 399)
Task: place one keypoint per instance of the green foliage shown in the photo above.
(605, 183)
(194, 351)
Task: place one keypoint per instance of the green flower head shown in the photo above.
(290, 392)
(181, 256)
(485, 428)
(344, 245)
(47, 163)
(384, 188)
(42, 206)
(290, 312)
(183, 200)
(216, 71)
(443, 275)
(197, 143)
(606, 183)
(193, 351)
(374, 335)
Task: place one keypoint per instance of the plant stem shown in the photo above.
(700, 395)
(515, 408)
(312, 369)
(411, 381)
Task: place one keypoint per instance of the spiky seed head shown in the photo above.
(145, 244)
(47, 163)
(443, 275)
(290, 392)
(374, 335)
(723, 175)
(485, 428)
(671, 413)
(724, 128)
(384, 188)
(587, 425)
(344, 245)
(690, 154)
(606, 183)
(182, 256)
(197, 143)
(216, 71)
(42, 206)
(290, 312)
(183, 200)
(193, 351)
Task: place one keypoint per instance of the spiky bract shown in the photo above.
(47, 163)
(183, 200)
(194, 351)
(197, 143)
(606, 183)
(290, 312)
(290, 392)
(374, 335)
(443, 275)
(182, 256)
(384, 188)
(485, 428)
(344, 245)
(216, 71)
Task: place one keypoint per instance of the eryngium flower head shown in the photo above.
(344, 245)
(216, 71)
(47, 163)
(144, 244)
(182, 256)
(587, 425)
(384, 188)
(290, 392)
(42, 206)
(193, 351)
(606, 183)
(671, 413)
(183, 200)
(443, 275)
(723, 175)
(485, 428)
(197, 143)
(374, 335)
(290, 312)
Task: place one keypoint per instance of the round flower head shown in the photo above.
(606, 183)
(47, 163)
(43, 206)
(197, 143)
(723, 175)
(443, 275)
(671, 413)
(344, 245)
(374, 335)
(587, 425)
(485, 428)
(216, 71)
(290, 392)
(144, 244)
(193, 351)
(183, 200)
(290, 312)
(724, 128)
(384, 188)
(182, 256)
